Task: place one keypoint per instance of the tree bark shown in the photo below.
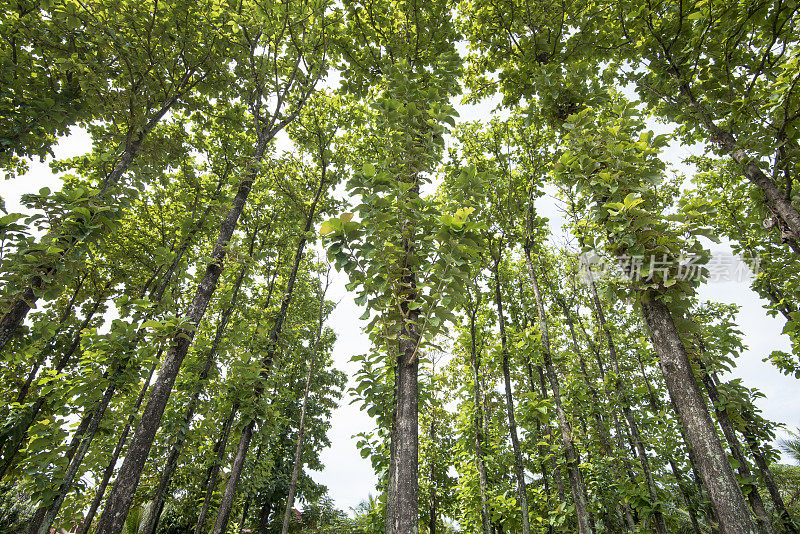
(475, 365)
(715, 470)
(753, 496)
(225, 507)
(622, 394)
(578, 490)
(119, 502)
(158, 498)
(519, 470)
(109, 470)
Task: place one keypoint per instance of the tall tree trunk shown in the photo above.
(578, 490)
(753, 495)
(625, 403)
(225, 507)
(519, 470)
(298, 453)
(715, 470)
(683, 488)
(112, 463)
(157, 499)
(475, 365)
(212, 473)
(119, 501)
(787, 523)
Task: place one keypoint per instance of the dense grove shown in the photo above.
(166, 354)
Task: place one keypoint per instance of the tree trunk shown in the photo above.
(624, 400)
(109, 470)
(655, 406)
(298, 453)
(119, 502)
(223, 515)
(159, 495)
(519, 470)
(475, 364)
(715, 470)
(578, 490)
(753, 495)
(213, 470)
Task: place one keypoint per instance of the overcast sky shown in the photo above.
(349, 477)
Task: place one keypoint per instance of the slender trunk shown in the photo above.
(83, 447)
(119, 501)
(478, 419)
(519, 470)
(212, 474)
(715, 470)
(578, 490)
(658, 516)
(18, 433)
(225, 507)
(298, 453)
(391, 482)
(157, 500)
(26, 299)
(109, 470)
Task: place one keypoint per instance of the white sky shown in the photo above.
(348, 476)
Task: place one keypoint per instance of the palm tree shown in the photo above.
(791, 445)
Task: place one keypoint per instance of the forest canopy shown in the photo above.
(168, 362)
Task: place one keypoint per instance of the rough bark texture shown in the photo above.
(158, 498)
(112, 463)
(119, 501)
(753, 496)
(519, 470)
(576, 484)
(712, 462)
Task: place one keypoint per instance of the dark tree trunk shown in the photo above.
(519, 470)
(578, 490)
(475, 365)
(119, 502)
(109, 470)
(212, 474)
(715, 470)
